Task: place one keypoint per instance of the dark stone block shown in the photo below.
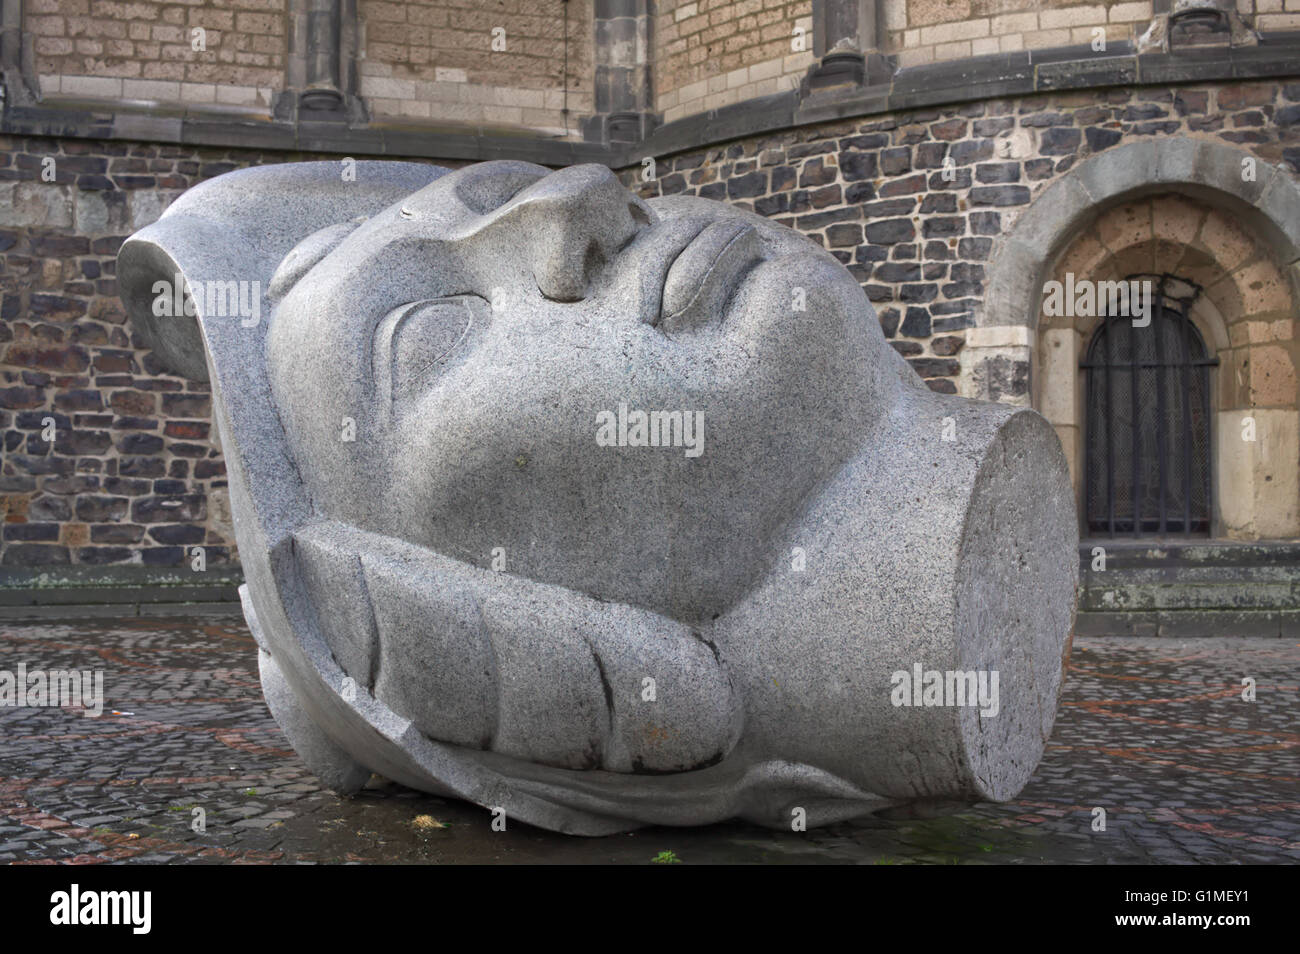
(949, 129)
(971, 150)
(907, 186)
(889, 208)
(186, 508)
(187, 405)
(58, 245)
(778, 204)
(975, 249)
(950, 179)
(896, 161)
(935, 367)
(140, 444)
(899, 272)
(141, 467)
(947, 346)
(32, 532)
(816, 173)
(76, 443)
(954, 322)
(916, 324)
(943, 226)
(79, 484)
(939, 202)
(177, 534)
(1157, 129)
(860, 192)
(986, 223)
(988, 128)
(16, 398)
(998, 172)
(826, 196)
(35, 554)
(1001, 195)
(890, 231)
(919, 293)
(1037, 169)
(858, 165)
(819, 220)
(930, 155)
(844, 235)
(744, 187)
(1059, 140)
(868, 141)
(1043, 120)
(116, 533)
(102, 555)
(99, 509)
(134, 424)
(128, 487)
(889, 318)
(186, 430)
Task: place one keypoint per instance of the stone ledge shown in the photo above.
(116, 587)
(993, 76)
(1187, 624)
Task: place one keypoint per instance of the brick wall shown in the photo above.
(928, 31)
(143, 49)
(874, 191)
(434, 59)
(134, 473)
(712, 53)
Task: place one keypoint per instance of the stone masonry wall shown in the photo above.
(435, 59)
(134, 473)
(143, 49)
(712, 53)
(875, 192)
(929, 31)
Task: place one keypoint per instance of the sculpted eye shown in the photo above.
(414, 342)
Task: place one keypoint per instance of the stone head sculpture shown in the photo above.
(602, 511)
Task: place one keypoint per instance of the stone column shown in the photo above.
(321, 80)
(623, 87)
(20, 85)
(845, 40)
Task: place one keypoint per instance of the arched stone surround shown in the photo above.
(1174, 207)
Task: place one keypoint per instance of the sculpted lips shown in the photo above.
(693, 268)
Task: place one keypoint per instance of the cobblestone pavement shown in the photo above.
(1153, 731)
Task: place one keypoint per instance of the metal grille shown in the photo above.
(1147, 467)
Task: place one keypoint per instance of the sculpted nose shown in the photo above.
(581, 217)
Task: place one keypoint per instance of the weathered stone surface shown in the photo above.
(464, 575)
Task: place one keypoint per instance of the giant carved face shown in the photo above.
(446, 366)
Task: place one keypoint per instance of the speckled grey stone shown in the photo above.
(458, 581)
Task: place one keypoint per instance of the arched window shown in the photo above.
(1147, 454)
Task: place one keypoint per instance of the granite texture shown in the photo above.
(467, 574)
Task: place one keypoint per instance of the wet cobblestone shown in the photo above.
(1155, 732)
